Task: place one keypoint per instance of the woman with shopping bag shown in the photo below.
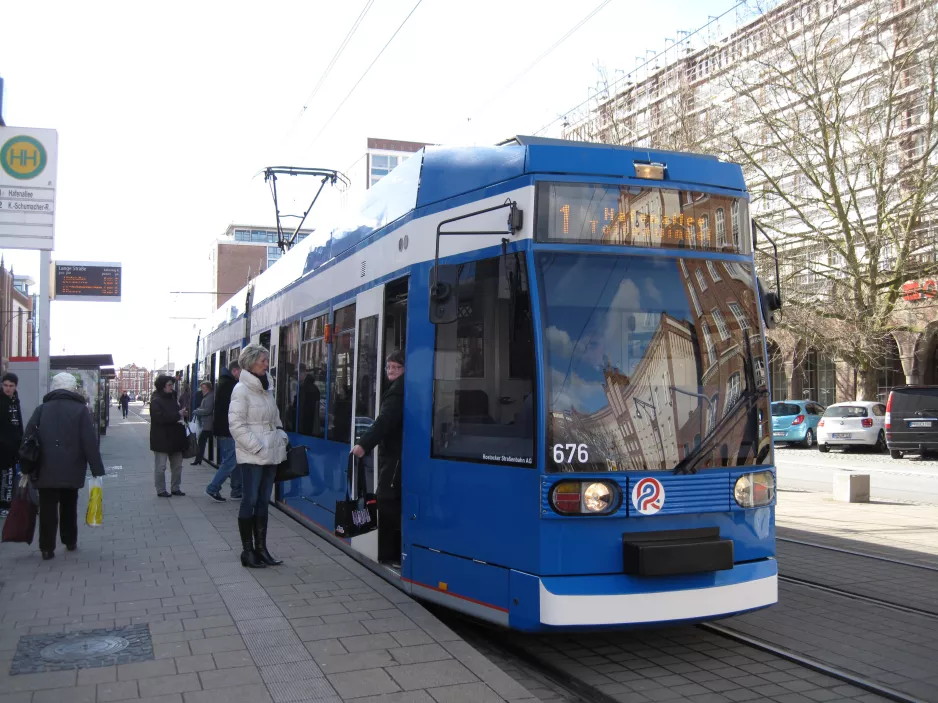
(68, 445)
(260, 445)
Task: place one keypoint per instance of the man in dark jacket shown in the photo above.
(11, 434)
(387, 432)
(124, 403)
(227, 461)
(167, 436)
(69, 444)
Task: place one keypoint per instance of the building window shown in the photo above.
(720, 323)
(481, 413)
(693, 299)
(712, 413)
(734, 210)
(732, 392)
(708, 341)
(701, 280)
(713, 272)
(340, 394)
(721, 227)
(311, 394)
(286, 375)
(382, 165)
(683, 267)
(258, 236)
(739, 315)
(242, 235)
(704, 222)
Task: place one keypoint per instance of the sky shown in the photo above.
(167, 112)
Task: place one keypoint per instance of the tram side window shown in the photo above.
(483, 388)
(286, 375)
(340, 393)
(311, 394)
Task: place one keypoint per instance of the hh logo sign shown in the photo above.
(23, 157)
(648, 496)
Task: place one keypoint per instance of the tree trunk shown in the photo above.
(866, 383)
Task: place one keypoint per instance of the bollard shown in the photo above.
(852, 488)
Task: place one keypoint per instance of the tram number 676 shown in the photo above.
(580, 451)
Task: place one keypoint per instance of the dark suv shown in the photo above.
(912, 420)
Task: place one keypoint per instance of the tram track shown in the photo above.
(841, 550)
(859, 596)
(813, 664)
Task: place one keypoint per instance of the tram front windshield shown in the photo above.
(653, 363)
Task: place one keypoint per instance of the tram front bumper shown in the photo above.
(620, 600)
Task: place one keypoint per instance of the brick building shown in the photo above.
(242, 253)
(134, 380)
(17, 323)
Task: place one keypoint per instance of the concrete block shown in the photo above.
(852, 488)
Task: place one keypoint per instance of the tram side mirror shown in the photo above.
(444, 293)
(771, 303)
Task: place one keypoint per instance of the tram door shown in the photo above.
(381, 324)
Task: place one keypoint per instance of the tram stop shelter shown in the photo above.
(93, 373)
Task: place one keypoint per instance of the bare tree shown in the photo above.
(839, 142)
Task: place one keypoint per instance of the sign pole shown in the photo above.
(45, 305)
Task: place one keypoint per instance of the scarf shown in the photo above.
(262, 379)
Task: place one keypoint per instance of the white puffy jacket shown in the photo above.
(254, 422)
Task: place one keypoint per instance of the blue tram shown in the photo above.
(586, 426)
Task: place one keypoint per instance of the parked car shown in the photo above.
(795, 421)
(857, 423)
(912, 420)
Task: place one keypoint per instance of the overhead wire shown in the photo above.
(361, 78)
(338, 53)
(655, 57)
(543, 56)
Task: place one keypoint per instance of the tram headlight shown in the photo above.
(597, 498)
(585, 497)
(755, 490)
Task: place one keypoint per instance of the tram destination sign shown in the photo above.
(88, 281)
(28, 163)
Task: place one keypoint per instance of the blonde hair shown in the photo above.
(251, 354)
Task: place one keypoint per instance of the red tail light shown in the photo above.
(867, 422)
(889, 411)
(798, 420)
(821, 423)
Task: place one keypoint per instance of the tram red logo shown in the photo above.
(648, 496)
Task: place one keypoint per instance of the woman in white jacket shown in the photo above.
(260, 444)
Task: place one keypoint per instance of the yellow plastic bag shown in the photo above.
(95, 515)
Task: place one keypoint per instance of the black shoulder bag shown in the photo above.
(358, 513)
(30, 452)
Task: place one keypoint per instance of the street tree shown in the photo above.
(836, 125)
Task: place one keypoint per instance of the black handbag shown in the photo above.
(296, 465)
(191, 447)
(359, 515)
(30, 453)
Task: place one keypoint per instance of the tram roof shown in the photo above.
(438, 173)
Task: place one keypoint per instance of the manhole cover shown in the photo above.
(81, 649)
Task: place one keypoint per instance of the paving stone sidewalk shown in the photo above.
(319, 628)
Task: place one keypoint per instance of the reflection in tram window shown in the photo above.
(635, 377)
(340, 393)
(311, 392)
(483, 390)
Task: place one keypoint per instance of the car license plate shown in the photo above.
(841, 435)
(920, 423)
(779, 434)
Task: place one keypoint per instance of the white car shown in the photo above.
(860, 422)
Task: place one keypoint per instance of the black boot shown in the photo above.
(248, 555)
(260, 542)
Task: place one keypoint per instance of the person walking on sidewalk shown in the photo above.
(167, 436)
(206, 414)
(227, 461)
(11, 434)
(124, 403)
(260, 444)
(69, 444)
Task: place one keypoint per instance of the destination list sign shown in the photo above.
(85, 280)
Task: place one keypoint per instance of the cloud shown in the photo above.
(574, 392)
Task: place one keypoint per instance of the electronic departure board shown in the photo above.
(87, 280)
